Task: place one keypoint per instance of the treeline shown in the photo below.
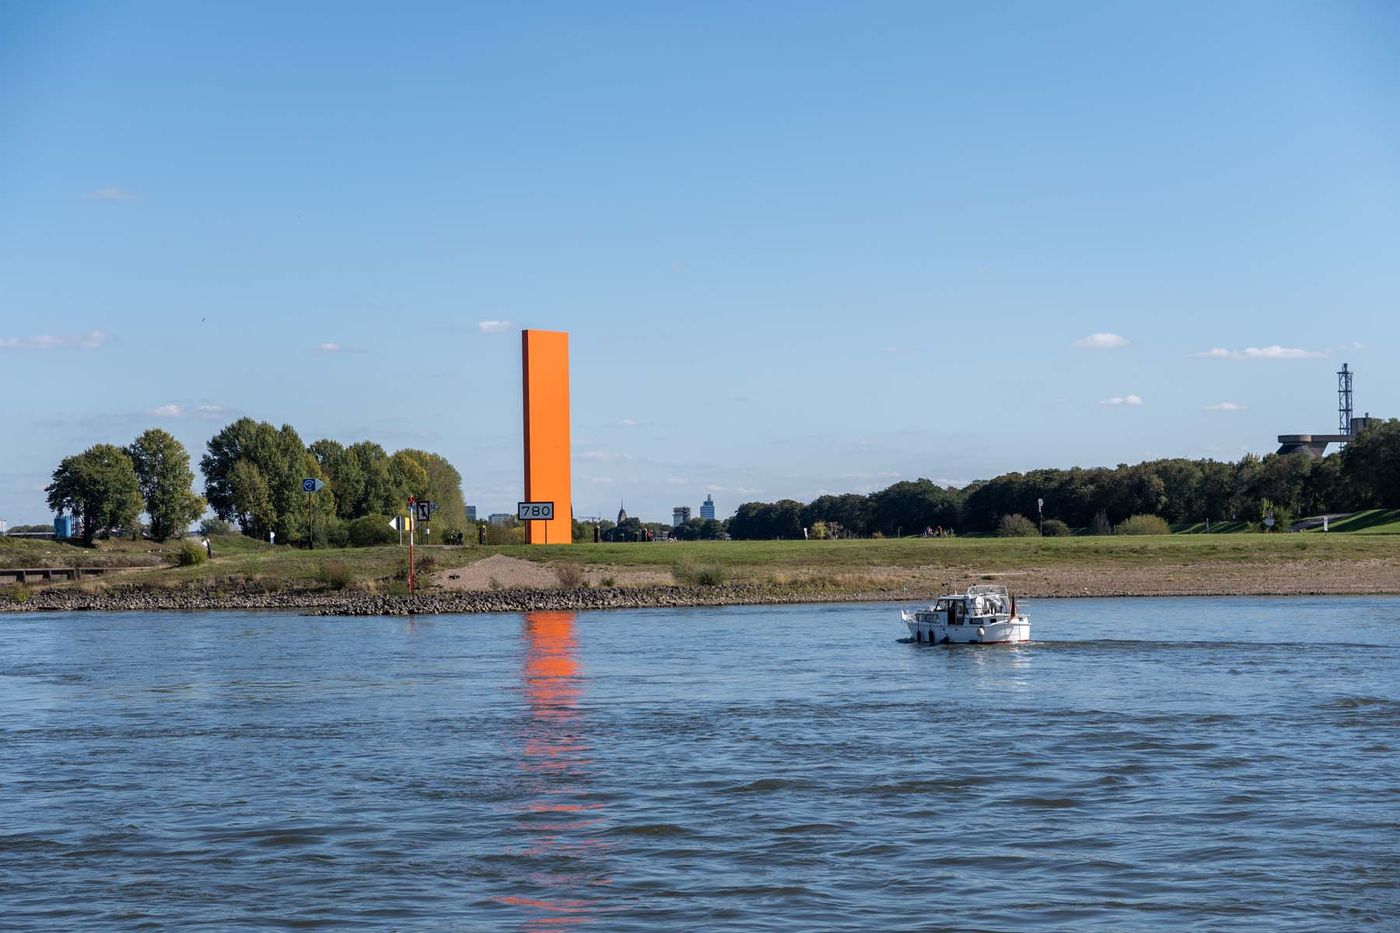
(253, 475)
(1366, 474)
(107, 487)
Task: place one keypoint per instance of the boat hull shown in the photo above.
(937, 631)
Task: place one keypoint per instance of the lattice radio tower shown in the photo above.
(1344, 400)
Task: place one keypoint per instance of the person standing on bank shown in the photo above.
(208, 548)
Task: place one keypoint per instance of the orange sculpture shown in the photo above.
(545, 367)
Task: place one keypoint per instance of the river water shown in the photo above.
(1144, 764)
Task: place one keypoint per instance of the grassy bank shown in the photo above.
(1169, 563)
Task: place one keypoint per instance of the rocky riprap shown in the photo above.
(352, 603)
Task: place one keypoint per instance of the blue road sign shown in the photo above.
(312, 485)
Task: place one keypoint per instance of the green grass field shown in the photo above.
(243, 559)
(1371, 522)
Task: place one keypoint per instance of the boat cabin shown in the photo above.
(976, 606)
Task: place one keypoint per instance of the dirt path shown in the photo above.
(510, 573)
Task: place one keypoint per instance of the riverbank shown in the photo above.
(247, 574)
(1297, 578)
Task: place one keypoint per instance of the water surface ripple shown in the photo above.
(1145, 764)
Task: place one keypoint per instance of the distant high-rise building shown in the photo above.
(707, 509)
(680, 515)
(471, 513)
(501, 518)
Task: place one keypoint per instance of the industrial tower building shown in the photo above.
(1347, 426)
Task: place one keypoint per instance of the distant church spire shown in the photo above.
(621, 512)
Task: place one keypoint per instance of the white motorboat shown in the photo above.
(984, 615)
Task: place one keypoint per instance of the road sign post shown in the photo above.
(311, 485)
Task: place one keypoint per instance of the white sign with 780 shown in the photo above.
(534, 511)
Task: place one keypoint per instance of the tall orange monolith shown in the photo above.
(545, 368)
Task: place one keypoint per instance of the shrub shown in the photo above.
(1016, 526)
(698, 574)
(1054, 528)
(18, 594)
(335, 575)
(215, 526)
(422, 563)
(1144, 525)
(190, 554)
(609, 581)
(371, 531)
(571, 576)
(1100, 524)
(335, 531)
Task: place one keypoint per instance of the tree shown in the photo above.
(344, 474)
(444, 490)
(1016, 526)
(163, 471)
(269, 464)
(1371, 464)
(252, 508)
(99, 486)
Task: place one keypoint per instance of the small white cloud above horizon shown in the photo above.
(174, 410)
(92, 340)
(327, 348)
(627, 423)
(493, 327)
(1102, 341)
(112, 194)
(1274, 352)
(1122, 400)
(1225, 406)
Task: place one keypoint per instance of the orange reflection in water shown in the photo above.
(555, 763)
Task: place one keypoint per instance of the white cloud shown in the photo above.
(493, 327)
(1274, 352)
(1225, 406)
(602, 456)
(112, 194)
(327, 348)
(1123, 400)
(92, 340)
(203, 412)
(1104, 341)
(627, 423)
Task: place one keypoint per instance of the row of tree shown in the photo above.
(253, 474)
(108, 487)
(1366, 474)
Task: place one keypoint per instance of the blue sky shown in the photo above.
(800, 247)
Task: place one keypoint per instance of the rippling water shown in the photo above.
(1167, 764)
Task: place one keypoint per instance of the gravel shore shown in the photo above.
(1293, 578)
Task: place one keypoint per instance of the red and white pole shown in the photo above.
(411, 524)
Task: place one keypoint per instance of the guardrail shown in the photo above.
(49, 574)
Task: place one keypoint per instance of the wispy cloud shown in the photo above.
(1103, 341)
(493, 327)
(112, 194)
(1122, 400)
(1225, 406)
(603, 456)
(1274, 352)
(200, 412)
(333, 347)
(92, 340)
(627, 423)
